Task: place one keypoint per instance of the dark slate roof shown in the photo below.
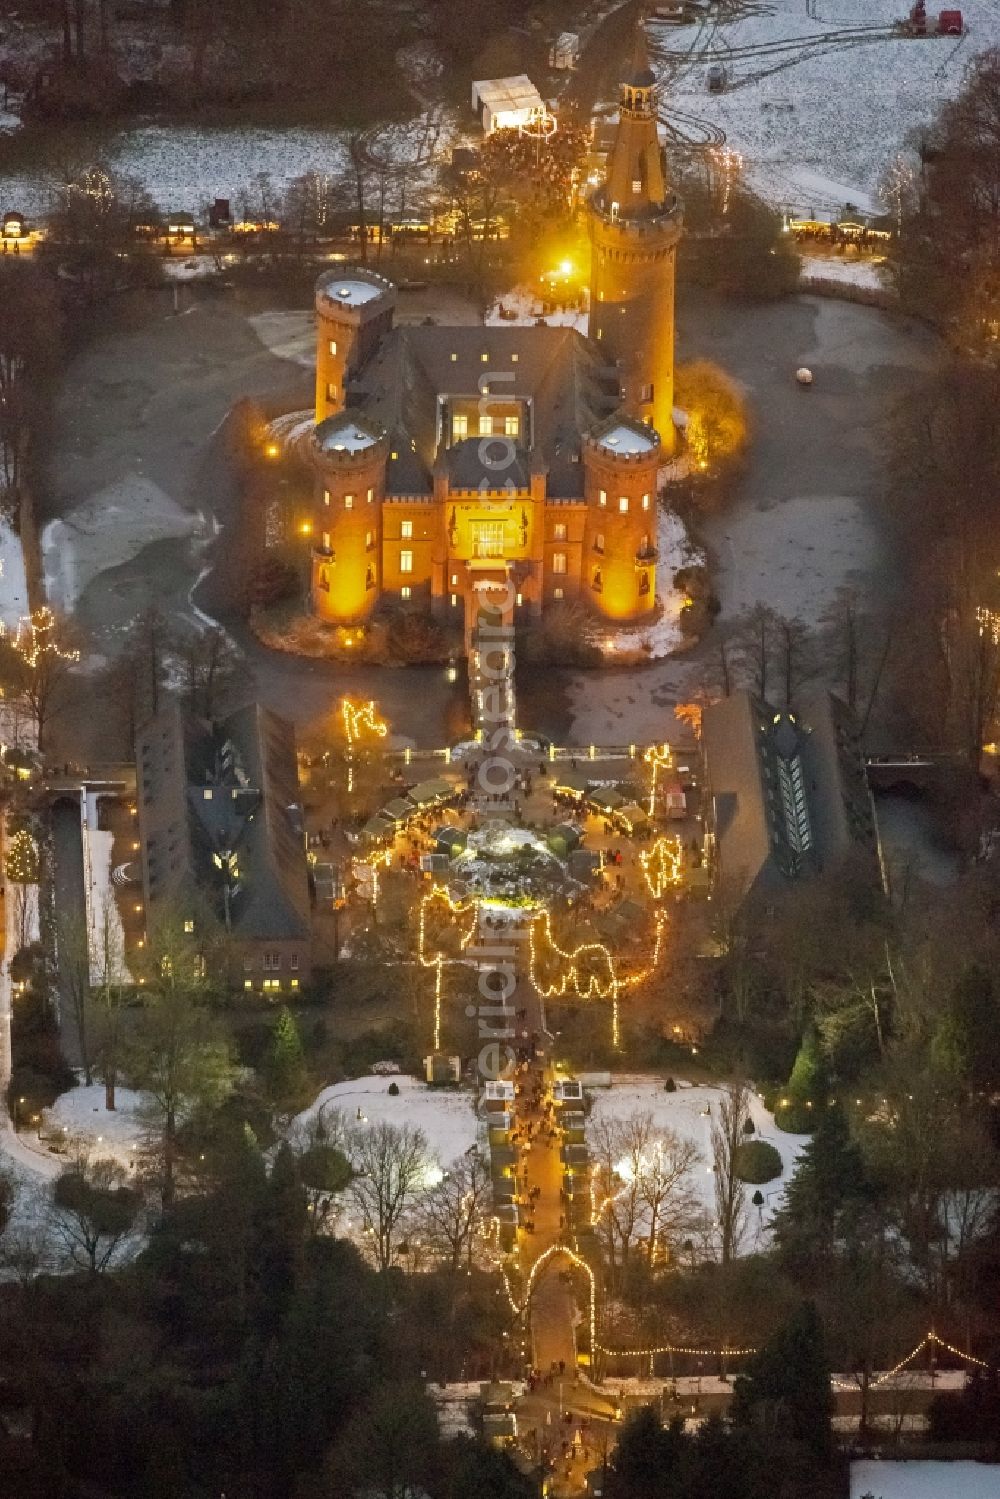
(473, 464)
(240, 849)
(556, 368)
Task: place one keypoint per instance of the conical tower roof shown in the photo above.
(636, 184)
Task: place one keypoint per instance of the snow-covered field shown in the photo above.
(186, 167)
(817, 123)
(689, 1113)
(925, 1480)
(82, 1115)
(446, 1119)
(867, 274)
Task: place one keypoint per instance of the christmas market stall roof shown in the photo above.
(574, 782)
(605, 800)
(399, 809)
(378, 826)
(632, 817)
(449, 840)
(563, 839)
(426, 793)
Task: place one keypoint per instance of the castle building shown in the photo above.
(447, 459)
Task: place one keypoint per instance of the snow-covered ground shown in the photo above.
(689, 1113)
(447, 1119)
(186, 167)
(528, 307)
(925, 1480)
(105, 934)
(868, 274)
(110, 528)
(111, 1135)
(664, 634)
(13, 582)
(817, 123)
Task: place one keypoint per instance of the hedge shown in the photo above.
(756, 1162)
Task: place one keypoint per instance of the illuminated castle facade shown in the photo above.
(447, 458)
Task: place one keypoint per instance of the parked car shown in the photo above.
(716, 78)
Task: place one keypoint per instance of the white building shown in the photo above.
(505, 103)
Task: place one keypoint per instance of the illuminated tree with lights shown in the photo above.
(23, 870)
(390, 1172)
(35, 662)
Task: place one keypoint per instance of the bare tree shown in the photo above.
(96, 1210)
(730, 1194)
(665, 1188)
(73, 951)
(390, 1171)
(616, 1148)
(107, 993)
(452, 1214)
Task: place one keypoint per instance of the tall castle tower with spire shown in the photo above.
(635, 224)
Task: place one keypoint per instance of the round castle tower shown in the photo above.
(354, 312)
(349, 455)
(620, 462)
(635, 224)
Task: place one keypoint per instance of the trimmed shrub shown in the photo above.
(795, 1117)
(756, 1161)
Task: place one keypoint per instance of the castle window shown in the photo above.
(512, 426)
(454, 601)
(485, 358)
(371, 495)
(558, 562)
(602, 497)
(520, 599)
(326, 497)
(644, 582)
(623, 503)
(486, 426)
(189, 925)
(644, 544)
(459, 426)
(598, 582)
(369, 540)
(406, 592)
(646, 393)
(636, 185)
(406, 529)
(557, 593)
(406, 562)
(514, 358)
(293, 962)
(559, 531)
(370, 578)
(645, 502)
(454, 580)
(326, 541)
(207, 794)
(348, 502)
(333, 347)
(331, 391)
(454, 359)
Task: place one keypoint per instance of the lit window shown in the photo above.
(512, 426)
(557, 593)
(646, 393)
(599, 542)
(558, 562)
(454, 580)
(371, 495)
(645, 502)
(454, 359)
(602, 497)
(326, 541)
(207, 793)
(454, 601)
(559, 531)
(520, 600)
(295, 983)
(486, 426)
(189, 926)
(623, 503)
(598, 582)
(248, 983)
(331, 391)
(406, 529)
(459, 426)
(370, 578)
(369, 540)
(514, 358)
(348, 502)
(333, 347)
(326, 497)
(406, 562)
(485, 358)
(406, 592)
